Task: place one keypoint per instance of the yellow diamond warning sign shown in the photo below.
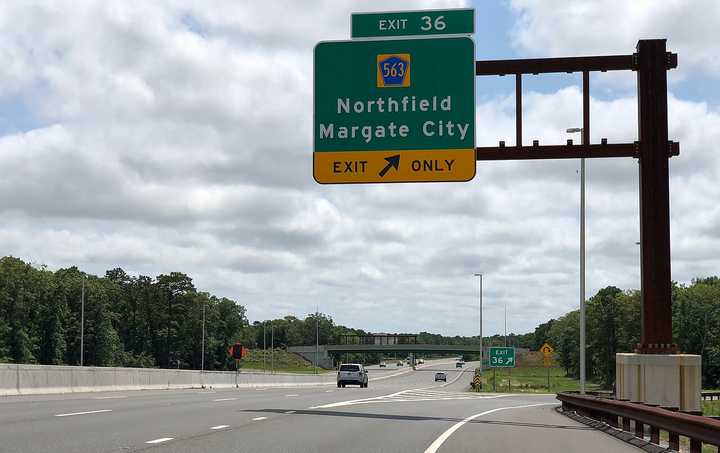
(547, 350)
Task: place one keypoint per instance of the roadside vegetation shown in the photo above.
(711, 408)
(279, 361)
(144, 321)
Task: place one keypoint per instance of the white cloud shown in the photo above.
(177, 137)
(589, 27)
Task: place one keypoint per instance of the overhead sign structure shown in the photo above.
(502, 357)
(409, 23)
(400, 110)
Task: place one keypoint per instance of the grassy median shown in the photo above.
(280, 361)
(711, 408)
(530, 380)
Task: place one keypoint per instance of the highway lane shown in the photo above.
(403, 413)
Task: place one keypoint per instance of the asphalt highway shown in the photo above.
(403, 413)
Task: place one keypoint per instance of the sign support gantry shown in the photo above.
(653, 150)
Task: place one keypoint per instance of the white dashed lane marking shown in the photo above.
(225, 399)
(159, 441)
(292, 394)
(257, 419)
(290, 412)
(108, 397)
(220, 426)
(83, 413)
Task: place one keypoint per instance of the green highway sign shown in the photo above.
(502, 357)
(400, 110)
(413, 23)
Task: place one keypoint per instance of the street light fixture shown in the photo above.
(580, 130)
(481, 333)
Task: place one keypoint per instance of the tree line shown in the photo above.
(132, 321)
(157, 322)
(613, 325)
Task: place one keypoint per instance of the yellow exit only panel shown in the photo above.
(355, 167)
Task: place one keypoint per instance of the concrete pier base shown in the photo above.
(666, 380)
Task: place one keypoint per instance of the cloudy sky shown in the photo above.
(177, 136)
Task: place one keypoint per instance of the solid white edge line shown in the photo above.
(257, 419)
(83, 413)
(433, 448)
(108, 397)
(219, 426)
(160, 440)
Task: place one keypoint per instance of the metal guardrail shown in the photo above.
(711, 396)
(623, 414)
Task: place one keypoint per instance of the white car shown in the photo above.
(352, 373)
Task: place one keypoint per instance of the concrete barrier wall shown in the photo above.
(42, 379)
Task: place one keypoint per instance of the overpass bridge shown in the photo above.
(326, 353)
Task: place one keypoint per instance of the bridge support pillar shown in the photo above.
(666, 380)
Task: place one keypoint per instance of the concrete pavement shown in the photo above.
(409, 412)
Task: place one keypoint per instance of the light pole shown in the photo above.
(202, 353)
(264, 347)
(317, 337)
(481, 334)
(505, 324)
(82, 321)
(272, 348)
(582, 260)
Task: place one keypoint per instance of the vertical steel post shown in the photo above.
(655, 278)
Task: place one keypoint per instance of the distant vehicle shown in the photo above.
(459, 364)
(352, 373)
(440, 377)
(399, 363)
(420, 361)
(383, 364)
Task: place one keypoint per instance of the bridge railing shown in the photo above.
(635, 417)
(711, 396)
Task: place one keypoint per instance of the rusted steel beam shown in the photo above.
(548, 65)
(655, 278)
(556, 151)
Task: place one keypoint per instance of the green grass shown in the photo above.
(711, 408)
(283, 362)
(531, 379)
